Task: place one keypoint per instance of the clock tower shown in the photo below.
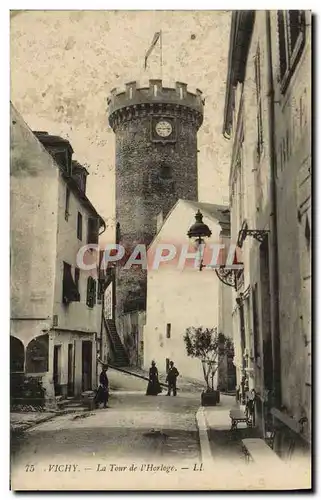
(156, 164)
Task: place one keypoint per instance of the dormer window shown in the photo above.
(62, 157)
(59, 148)
(79, 174)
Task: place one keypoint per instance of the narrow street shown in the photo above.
(136, 429)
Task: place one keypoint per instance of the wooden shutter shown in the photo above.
(91, 292)
(88, 299)
(92, 230)
(79, 226)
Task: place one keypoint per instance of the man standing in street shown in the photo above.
(102, 392)
(172, 375)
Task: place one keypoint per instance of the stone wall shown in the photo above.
(150, 176)
(293, 148)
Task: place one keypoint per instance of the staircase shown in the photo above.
(120, 355)
(75, 403)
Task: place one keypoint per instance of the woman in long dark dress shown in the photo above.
(153, 387)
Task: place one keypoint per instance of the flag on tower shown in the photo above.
(157, 37)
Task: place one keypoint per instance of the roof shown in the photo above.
(47, 139)
(77, 167)
(240, 37)
(218, 213)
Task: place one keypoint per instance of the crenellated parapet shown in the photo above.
(135, 102)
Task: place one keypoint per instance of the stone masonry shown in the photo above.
(152, 172)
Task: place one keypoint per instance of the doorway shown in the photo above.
(57, 369)
(266, 315)
(87, 365)
(70, 371)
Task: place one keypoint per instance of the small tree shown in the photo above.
(210, 347)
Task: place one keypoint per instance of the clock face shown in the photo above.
(163, 128)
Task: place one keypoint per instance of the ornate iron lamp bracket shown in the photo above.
(230, 277)
(258, 234)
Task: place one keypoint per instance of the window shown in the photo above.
(77, 277)
(258, 103)
(168, 330)
(165, 172)
(79, 226)
(67, 203)
(118, 234)
(91, 292)
(69, 289)
(63, 158)
(92, 236)
(100, 292)
(167, 365)
(291, 32)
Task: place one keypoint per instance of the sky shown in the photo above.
(65, 63)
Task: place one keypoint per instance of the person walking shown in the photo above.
(102, 394)
(153, 387)
(171, 378)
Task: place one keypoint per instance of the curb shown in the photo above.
(27, 426)
(206, 454)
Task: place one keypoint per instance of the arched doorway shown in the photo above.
(37, 355)
(17, 355)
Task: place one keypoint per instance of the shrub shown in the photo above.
(210, 347)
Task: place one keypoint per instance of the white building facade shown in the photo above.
(55, 307)
(268, 121)
(179, 296)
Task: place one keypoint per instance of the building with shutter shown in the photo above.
(55, 309)
(268, 122)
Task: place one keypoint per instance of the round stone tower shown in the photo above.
(156, 164)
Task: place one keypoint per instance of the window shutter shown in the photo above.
(69, 288)
(88, 300)
(67, 200)
(92, 237)
(91, 292)
(79, 226)
(295, 22)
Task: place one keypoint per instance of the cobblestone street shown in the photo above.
(135, 429)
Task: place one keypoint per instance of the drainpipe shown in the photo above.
(273, 251)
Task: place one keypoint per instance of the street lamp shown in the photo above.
(198, 231)
(227, 275)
